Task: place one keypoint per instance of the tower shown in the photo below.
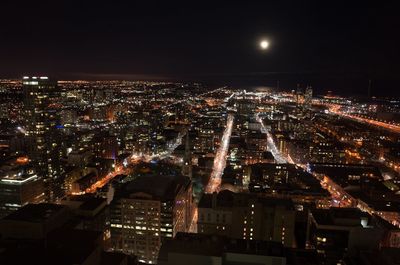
(308, 96)
(42, 122)
(299, 95)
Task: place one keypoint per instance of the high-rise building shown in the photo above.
(299, 95)
(308, 96)
(146, 211)
(110, 147)
(42, 123)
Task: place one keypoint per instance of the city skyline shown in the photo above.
(238, 133)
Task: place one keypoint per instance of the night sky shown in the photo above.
(337, 46)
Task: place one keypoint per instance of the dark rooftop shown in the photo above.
(156, 179)
(92, 204)
(200, 244)
(228, 198)
(340, 216)
(164, 187)
(36, 213)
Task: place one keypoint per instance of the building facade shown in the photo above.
(42, 123)
(245, 216)
(148, 210)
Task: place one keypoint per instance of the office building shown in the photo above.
(42, 123)
(146, 211)
(19, 185)
(246, 216)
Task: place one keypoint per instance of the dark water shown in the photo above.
(339, 84)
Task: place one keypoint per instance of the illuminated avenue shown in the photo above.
(391, 127)
(220, 158)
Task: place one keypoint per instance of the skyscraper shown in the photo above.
(42, 123)
(308, 96)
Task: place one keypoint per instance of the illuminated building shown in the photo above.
(41, 104)
(206, 140)
(19, 185)
(245, 216)
(106, 146)
(299, 95)
(148, 210)
(69, 116)
(327, 152)
(308, 96)
(110, 147)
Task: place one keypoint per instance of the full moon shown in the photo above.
(264, 44)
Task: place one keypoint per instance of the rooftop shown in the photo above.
(16, 170)
(156, 179)
(228, 198)
(341, 217)
(92, 204)
(163, 187)
(200, 244)
(36, 213)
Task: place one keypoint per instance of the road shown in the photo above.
(340, 198)
(198, 97)
(391, 127)
(193, 224)
(140, 157)
(214, 183)
(135, 159)
(280, 159)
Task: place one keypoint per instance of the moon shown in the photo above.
(264, 44)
